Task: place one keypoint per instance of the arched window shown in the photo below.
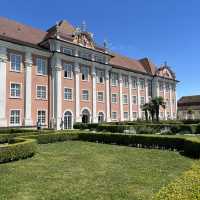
(100, 117)
(68, 120)
(85, 116)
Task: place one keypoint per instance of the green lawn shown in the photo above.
(88, 171)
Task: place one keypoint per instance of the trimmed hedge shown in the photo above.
(4, 138)
(151, 128)
(56, 137)
(18, 149)
(81, 126)
(188, 147)
(186, 187)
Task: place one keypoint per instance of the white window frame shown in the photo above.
(102, 96)
(88, 72)
(41, 98)
(112, 98)
(100, 74)
(125, 95)
(68, 49)
(82, 95)
(134, 97)
(15, 124)
(14, 70)
(71, 94)
(116, 81)
(112, 115)
(136, 115)
(134, 82)
(20, 88)
(126, 118)
(43, 110)
(161, 86)
(142, 97)
(125, 80)
(142, 86)
(44, 73)
(66, 68)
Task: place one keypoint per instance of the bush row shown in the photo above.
(4, 138)
(190, 147)
(183, 188)
(152, 128)
(17, 149)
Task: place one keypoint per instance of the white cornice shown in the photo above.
(24, 48)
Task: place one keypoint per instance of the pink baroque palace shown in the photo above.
(61, 76)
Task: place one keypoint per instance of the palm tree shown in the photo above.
(157, 102)
(145, 108)
(151, 110)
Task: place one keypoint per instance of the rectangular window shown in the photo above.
(15, 117)
(41, 92)
(100, 96)
(142, 84)
(41, 116)
(134, 115)
(99, 59)
(85, 72)
(85, 95)
(114, 115)
(149, 88)
(142, 101)
(114, 79)
(125, 99)
(161, 86)
(134, 82)
(67, 94)
(15, 90)
(125, 80)
(125, 115)
(15, 61)
(134, 99)
(68, 70)
(41, 66)
(85, 55)
(100, 76)
(67, 51)
(114, 98)
(167, 87)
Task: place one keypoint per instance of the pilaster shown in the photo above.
(57, 88)
(138, 96)
(28, 89)
(94, 105)
(130, 99)
(3, 61)
(121, 98)
(77, 92)
(107, 78)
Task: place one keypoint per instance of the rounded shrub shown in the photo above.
(18, 148)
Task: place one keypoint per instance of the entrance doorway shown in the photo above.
(85, 116)
(68, 120)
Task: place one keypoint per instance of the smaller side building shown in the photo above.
(189, 107)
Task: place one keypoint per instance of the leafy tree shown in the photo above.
(145, 108)
(157, 102)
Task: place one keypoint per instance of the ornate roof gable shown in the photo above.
(166, 72)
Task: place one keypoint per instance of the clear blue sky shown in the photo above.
(161, 30)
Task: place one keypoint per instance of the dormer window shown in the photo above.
(99, 59)
(85, 55)
(67, 51)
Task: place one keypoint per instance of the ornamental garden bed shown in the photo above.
(25, 146)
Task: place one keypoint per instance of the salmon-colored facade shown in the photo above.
(60, 76)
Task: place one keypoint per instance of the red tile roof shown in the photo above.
(127, 63)
(15, 31)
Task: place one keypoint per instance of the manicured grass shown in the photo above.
(76, 170)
